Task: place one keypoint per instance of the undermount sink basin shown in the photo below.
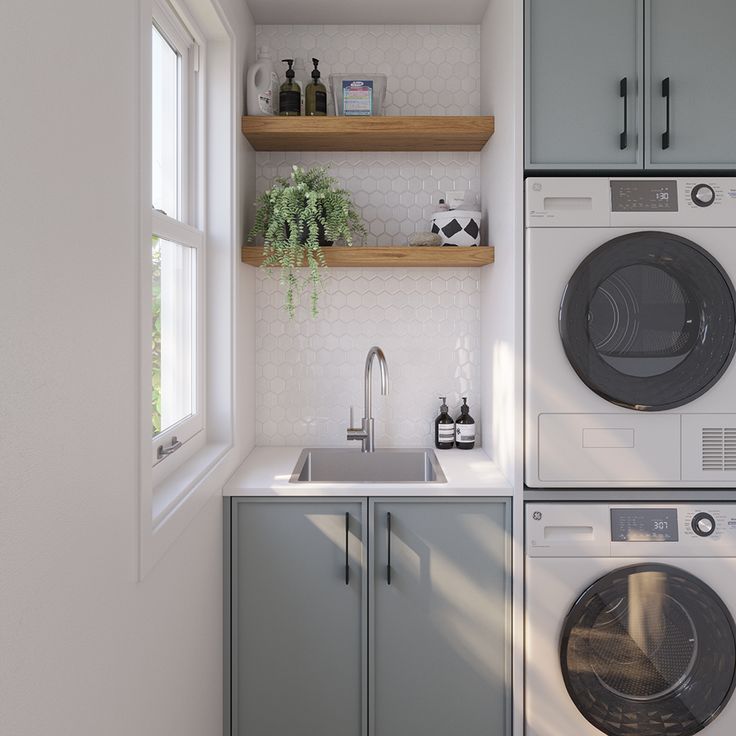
(342, 465)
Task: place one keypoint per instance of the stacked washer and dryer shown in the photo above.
(630, 322)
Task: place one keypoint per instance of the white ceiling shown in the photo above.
(374, 12)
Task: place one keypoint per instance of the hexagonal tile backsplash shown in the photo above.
(396, 194)
(431, 70)
(310, 371)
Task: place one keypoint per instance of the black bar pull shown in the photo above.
(388, 536)
(347, 539)
(666, 95)
(624, 94)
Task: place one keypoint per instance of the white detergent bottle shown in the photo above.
(262, 85)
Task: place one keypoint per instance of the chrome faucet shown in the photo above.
(365, 432)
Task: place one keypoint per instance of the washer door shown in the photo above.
(649, 650)
(648, 321)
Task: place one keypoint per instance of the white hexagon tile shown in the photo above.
(396, 194)
(310, 371)
(431, 70)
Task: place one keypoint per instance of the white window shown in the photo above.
(178, 242)
(189, 238)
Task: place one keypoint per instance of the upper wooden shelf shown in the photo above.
(362, 256)
(408, 133)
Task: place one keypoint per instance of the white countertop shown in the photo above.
(267, 470)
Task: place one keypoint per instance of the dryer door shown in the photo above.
(648, 321)
(649, 649)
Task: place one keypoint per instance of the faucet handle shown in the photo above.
(355, 433)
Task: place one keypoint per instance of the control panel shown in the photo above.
(631, 530)
(633, 202)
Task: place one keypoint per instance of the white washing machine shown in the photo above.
(629, 627)
(630, 332)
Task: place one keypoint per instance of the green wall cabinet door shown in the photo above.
(584, 65)
(691, 48)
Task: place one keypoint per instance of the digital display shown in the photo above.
(644, 525)
(644, 196)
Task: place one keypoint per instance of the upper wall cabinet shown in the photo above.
(588, 98)
(582, 56)
(691, 72)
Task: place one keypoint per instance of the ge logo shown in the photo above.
(537, 515)
(537, 187)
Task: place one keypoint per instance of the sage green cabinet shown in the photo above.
(630, 85)
(414, 641)
(298, 624)
(439, 618)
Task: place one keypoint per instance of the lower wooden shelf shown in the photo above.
(361, 256)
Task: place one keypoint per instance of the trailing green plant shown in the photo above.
(293, 217)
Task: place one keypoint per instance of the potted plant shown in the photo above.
(297, 217)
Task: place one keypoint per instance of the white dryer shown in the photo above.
(630, 322)
(629, 625)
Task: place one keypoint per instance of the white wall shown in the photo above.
(502, 188)
(85, 649)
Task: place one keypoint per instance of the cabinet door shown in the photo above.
(583, 70)
(693, 45)
(298, 623)
(439, 626)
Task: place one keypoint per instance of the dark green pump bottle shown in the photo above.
(315, 96)
(290, 96)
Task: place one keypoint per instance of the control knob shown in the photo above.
(703, 195)
(703, 524)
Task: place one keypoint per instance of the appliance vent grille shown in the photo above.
(719, 448)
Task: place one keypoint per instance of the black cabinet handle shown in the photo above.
(388, 536)
(666, 95)
(624, 94)
(347, 539)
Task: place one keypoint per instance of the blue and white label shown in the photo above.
(357, 97)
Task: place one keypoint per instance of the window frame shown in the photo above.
(188, 228)
(168, 503)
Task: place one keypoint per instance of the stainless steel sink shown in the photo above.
(341, 465)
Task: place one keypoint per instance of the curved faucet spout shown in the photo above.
(374, 352)
(366, 431)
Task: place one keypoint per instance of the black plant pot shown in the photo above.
(321, 237)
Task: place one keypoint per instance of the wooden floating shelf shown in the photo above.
(361, 256)
(408, 133)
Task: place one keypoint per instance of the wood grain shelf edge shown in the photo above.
(360, 256)
(380, 133)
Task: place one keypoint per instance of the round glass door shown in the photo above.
(648, 321)
(649, 649)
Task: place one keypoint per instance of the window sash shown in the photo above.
(172, 28)
(172, 230)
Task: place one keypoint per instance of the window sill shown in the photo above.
(178, 499)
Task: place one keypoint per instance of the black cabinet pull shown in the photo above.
(347, 539)
(388, 536)
(624, 94)
(666, 95)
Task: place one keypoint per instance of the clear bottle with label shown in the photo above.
(290, 96)
(465, 428)
(444, 428)
(315, 99)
